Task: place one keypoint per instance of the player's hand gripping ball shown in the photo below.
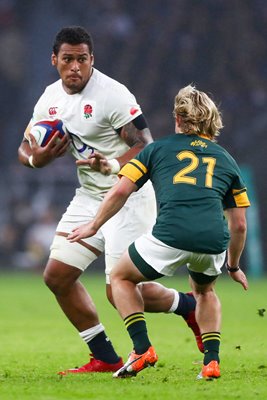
(43, 131)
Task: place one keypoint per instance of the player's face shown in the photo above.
(74, 64)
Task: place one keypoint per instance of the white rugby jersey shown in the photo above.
(91, 117)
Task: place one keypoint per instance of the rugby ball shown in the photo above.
(43, 131)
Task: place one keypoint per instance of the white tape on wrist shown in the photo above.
(31, 162)
(115, 166)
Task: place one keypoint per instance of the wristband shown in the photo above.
(31, 162)
(114, 165)
(232, 269)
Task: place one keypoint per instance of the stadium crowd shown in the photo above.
(154, 47)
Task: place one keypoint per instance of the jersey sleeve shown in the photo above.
(237, 195)
(137, 169)
(121, 107)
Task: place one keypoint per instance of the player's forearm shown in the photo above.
(24, 153)
(238, 230)
(236, 247)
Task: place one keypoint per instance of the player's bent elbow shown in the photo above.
(241, 225)
(21, 157)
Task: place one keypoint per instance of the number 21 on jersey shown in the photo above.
(183, 176)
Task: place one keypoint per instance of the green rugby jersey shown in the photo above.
(194, 179)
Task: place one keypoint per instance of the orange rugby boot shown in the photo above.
(136, 363)
(210, 371)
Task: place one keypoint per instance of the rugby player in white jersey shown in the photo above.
(106, 129)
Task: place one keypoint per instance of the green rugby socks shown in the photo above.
(136, 327)
(211, 342)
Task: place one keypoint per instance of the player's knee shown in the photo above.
(53, 281)
(149, 289)
(115, 277)
(50, 282)
(206, 294)
(59, 277)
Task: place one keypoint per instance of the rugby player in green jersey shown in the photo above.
(202, 202)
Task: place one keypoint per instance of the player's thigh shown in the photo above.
(125, 269)
(81, 210)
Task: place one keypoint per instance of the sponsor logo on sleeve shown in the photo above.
(134, 110)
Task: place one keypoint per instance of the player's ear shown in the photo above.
(53, 59)
(92, 59)
(178, 120)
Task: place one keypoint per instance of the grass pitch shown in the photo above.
(37, 341)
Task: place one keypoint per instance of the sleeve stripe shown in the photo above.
(138, 165)
(237, 191)
(132, 171)
(241, 199)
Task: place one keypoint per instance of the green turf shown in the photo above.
(37, 341)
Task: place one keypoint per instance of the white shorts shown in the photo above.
(137, 216)
(165, 259)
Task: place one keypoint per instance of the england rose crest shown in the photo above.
(87, 110)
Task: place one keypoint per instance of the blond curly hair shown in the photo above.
(199, 114)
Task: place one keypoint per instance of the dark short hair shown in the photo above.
(72, 35)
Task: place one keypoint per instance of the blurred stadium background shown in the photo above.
(155, 47)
